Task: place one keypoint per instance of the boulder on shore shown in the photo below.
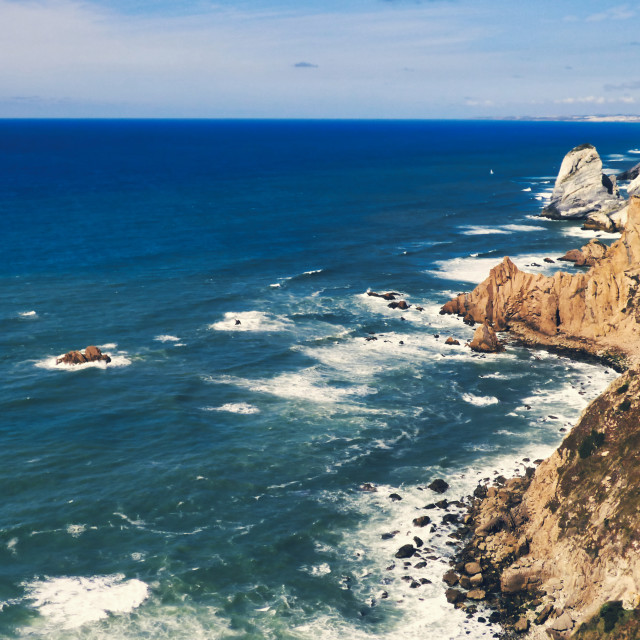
(582, 188)
(91, 354)
(485, 340)
(588, 255)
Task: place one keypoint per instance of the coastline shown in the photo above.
(551, 558)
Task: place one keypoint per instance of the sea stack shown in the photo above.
(582, 190)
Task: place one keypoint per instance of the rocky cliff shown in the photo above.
(563, 544)
(581, 189)
(559, 548)
(597, 311)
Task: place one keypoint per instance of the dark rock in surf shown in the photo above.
(438, 485)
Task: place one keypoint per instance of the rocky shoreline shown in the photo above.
(555, 552)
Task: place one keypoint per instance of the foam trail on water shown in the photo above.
(252, 321)
(27, 314)
(242, 408)
(167, 338)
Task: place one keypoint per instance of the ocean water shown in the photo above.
(206, 483)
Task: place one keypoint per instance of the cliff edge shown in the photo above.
(564, 545)
(597, 311)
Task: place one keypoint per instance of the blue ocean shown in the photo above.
(208, 481)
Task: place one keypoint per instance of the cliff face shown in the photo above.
(597, 310)
(570, 542)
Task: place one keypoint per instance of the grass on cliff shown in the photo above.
(602, 466)
(612, 622)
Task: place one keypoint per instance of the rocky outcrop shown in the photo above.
(561, 544)
(581, 188)
(630, 174)
(485, 340)
(633, 188)
(595, 311)
(588, 255)
(91, 354)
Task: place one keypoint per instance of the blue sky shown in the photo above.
(312, 59)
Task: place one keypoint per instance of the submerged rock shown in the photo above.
(91, 354)
(581, 187)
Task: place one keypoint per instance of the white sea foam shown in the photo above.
(577, 232)
(479, 401)
(281, 281)
(527, 189)
(235, 407)
(252, 321)
(479, 230)
(475, 270)
(126, 518)
(167, 338)
(635, 151)
(27, 314)
(76, 530)
(310, 384)
(119, 359)
(70, 602)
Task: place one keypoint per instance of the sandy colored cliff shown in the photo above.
(596, 311)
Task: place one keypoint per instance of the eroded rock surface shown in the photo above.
(593, 311)
(582, 188)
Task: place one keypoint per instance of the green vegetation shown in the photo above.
(594, 440)
(625, 405)
(612, 622)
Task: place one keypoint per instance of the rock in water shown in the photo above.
(485, 340)
(630, 174)
(91, 354)
(581, 188)
(633, 188)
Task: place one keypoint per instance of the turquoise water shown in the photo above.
(205, 484)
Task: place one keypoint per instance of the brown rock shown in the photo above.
(513, 582)
(541, 618)
(485, 340)
(91, 354)
(422, 521)
(454, 595)
(405, 551)
(451, 341)
(472, 568)
(451, 578)
(591, 306)
(72, 357)
(476, 580)
(438, 485)
(522, 626)
(573, 255)
(477, 594)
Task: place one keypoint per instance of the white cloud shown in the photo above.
(622, 12)
(596, 100)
